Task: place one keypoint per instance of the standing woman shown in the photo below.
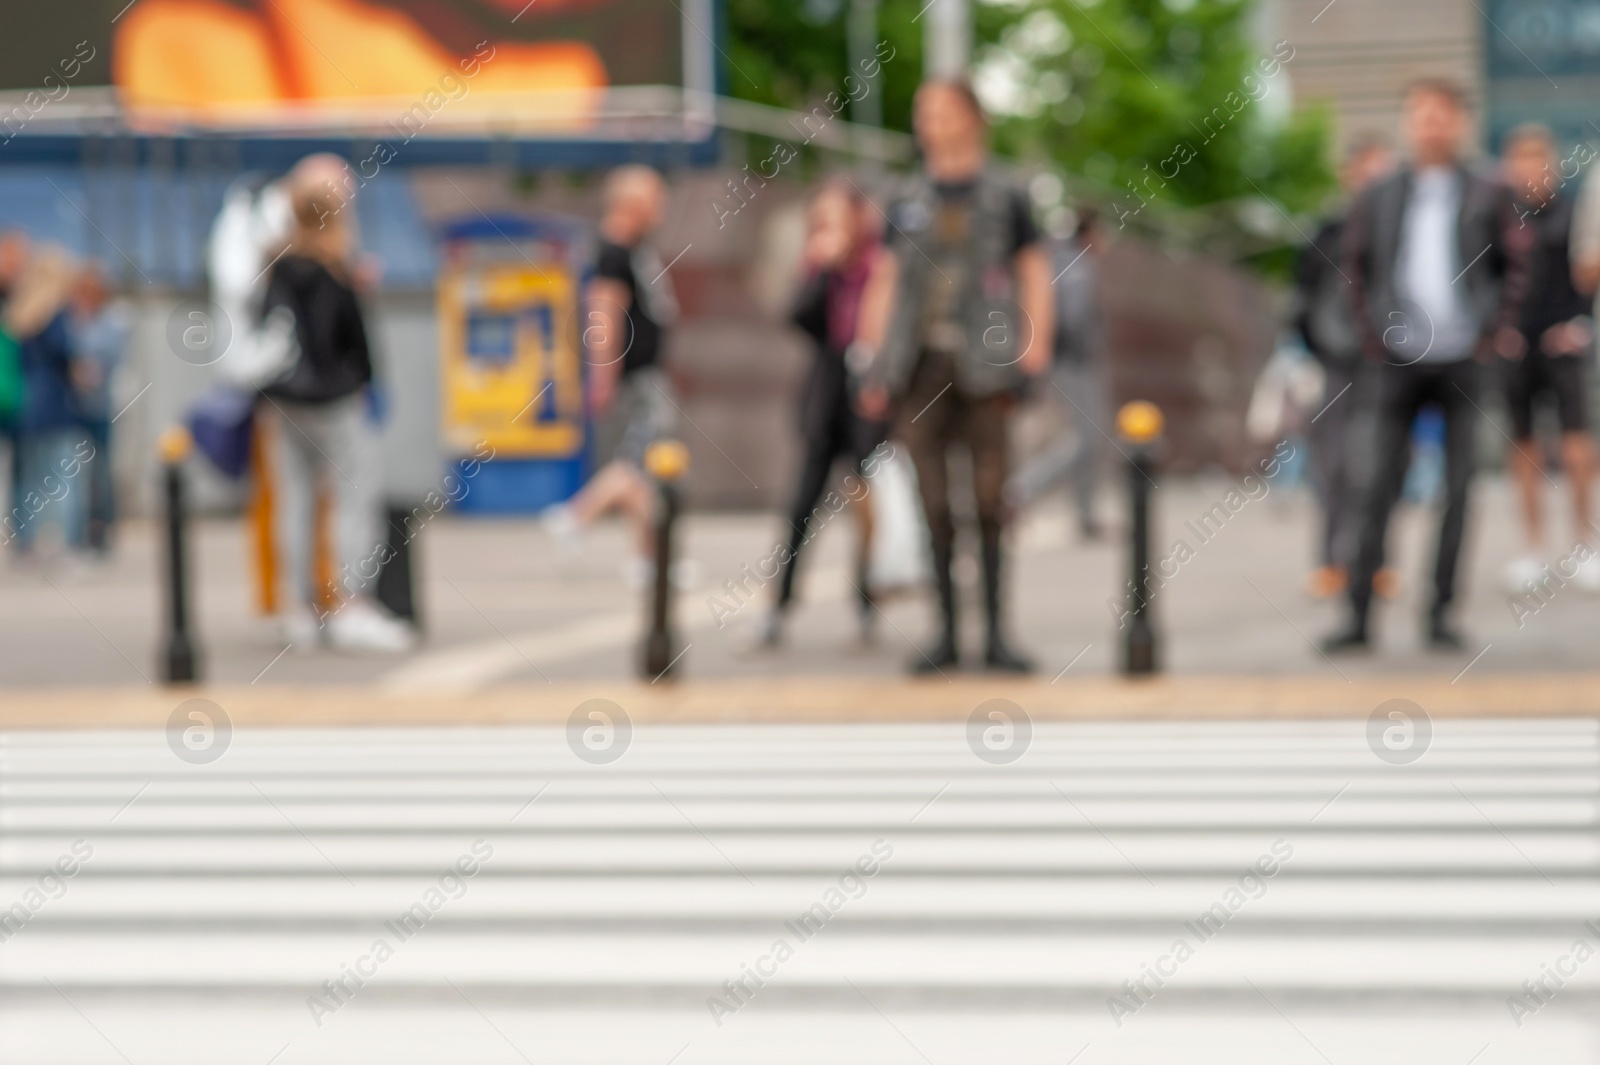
(959, 307)
(841, 244)
(50, 442)
(321, 436)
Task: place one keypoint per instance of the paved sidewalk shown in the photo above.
(503, 606)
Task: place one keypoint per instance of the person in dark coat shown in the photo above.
(839, 252)
(1326, 324)
(1436, 256)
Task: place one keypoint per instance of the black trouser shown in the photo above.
(1402, 392)
(935, 413)
(831, 430)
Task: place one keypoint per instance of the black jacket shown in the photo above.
(334, 360)
(1552, 299)
(1322, 314)
(1489, 242)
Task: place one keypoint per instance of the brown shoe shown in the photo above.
(1327, 581)
(1386, 583)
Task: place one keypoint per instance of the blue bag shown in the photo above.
(222, 422)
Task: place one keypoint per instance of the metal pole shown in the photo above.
(179, 663)
(1140, 425)
(862, 31)
(1139, 646)
(946, 39)
(666, 461)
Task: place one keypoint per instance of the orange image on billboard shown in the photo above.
(219, 60)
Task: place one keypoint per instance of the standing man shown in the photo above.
(1549, 363)
(628, 307)
(1325, 323)
(1077, 378)
(1437, 267)
(959, 313)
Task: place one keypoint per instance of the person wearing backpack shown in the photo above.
(317, 408)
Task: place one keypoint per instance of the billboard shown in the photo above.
(1542, 64)
(498, 68)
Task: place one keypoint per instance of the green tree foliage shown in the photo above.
(1177, 97)
(792, 53)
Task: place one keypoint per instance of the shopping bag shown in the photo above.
(898, 556)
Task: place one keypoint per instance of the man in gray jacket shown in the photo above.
(1436, 263)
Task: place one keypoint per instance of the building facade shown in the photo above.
(1519, 60)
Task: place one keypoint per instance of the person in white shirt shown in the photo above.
(1437, 267)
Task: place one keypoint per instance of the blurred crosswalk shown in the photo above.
(802, 894)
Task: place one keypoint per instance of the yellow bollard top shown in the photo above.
(667, 460)
(1140, 421)
(174, 444)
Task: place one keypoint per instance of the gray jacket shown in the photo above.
(989, 350)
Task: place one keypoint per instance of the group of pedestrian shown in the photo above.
(929, 320)
(925, 332)
(936, 336)
(1440, 280)
(62, 337)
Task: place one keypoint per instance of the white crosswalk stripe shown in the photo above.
(1122, 893)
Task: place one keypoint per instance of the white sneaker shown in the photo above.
(1588, 576)
(361, 626)
(561, 525)
(1520, 573)
(686, 574)
(638, 571)
(301, 628)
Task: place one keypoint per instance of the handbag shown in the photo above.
(222, 422)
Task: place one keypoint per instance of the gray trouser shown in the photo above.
(326, 446)
(1340, 436)
(646, 405)
(1079, 389)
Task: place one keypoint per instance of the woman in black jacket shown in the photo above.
(839, 250)
(321, 439)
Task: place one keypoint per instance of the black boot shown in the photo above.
(866, 608)
(1353, 638)
(998, 655)
(1443, 636)
(942, 654)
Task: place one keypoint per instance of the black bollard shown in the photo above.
(179, 663)
(1140, 426)
(667, 461)
(395, 588)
